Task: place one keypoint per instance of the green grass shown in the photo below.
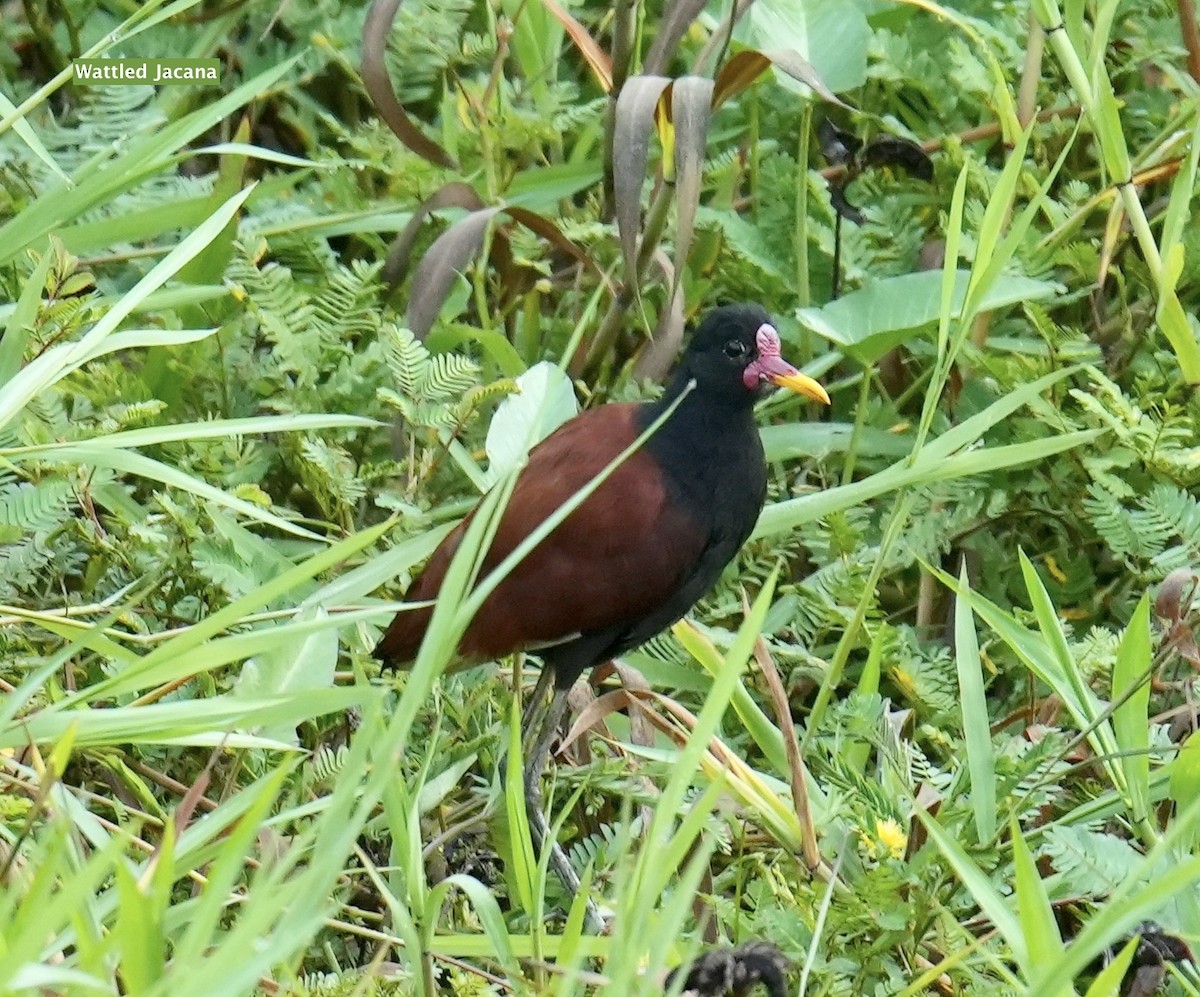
(929, 733)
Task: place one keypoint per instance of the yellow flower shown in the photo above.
(892, 837)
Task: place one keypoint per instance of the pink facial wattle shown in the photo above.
(768, 363)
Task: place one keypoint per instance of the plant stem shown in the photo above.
(1031, 72)
(610, 326)
(803, 288)
(1191, 36)
(860, 417)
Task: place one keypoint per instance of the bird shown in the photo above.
(648, 543)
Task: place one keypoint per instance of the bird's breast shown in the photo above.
(716, 473)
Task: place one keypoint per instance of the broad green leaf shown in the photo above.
(177, 722)
(523, 873)
(220, 651)
(1179, 206)
(1182, 331)
(1164, 873)
(353, 585)
(1184, 783)
(209, 265)
(21, 318)
(33, 977)
(1031, 647)
(483, 902)
(833, 35)
(1075, 689)
(1130, 719)
(57, 363)
(542, 188)
(226, 870)
(537, 41)
(994, 249)
(132, 462)
(142, 225)
(27, 135)
(194, 637)
(752, 716)
(544, 402)
(215, 429)
(870, 321)
(791, 440)
(290, 666)
(1043, 944)
(139, 936)
(930, 467)
(981, 760)
(145, 157)
(994, 906)
(684, 771)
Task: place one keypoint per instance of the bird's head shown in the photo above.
(735, 354)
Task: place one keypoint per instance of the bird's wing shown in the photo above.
(615, 560)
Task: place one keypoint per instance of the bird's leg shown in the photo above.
(535, 705)
(539, 826)
(542, 735)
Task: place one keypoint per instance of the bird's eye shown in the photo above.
(735, 349)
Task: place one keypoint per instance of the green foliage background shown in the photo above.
(223, 453)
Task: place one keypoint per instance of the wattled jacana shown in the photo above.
(649, 542)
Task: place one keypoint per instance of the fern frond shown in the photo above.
(50, 408)
(327, 762)
(1174, 513)
(481, 393)
(106, 119)
(420, 44)
(121, 416)
(21, 563)
(33, 507)
(407, 359)
(347, 307)
(1114, 523)
(331, 474)
(1030, 772)
(449, 375)
(1087, 862)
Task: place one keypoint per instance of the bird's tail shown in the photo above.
(398, 646)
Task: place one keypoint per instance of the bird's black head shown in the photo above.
(735, 353)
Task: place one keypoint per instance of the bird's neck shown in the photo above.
(705, 435)
(702, 415)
